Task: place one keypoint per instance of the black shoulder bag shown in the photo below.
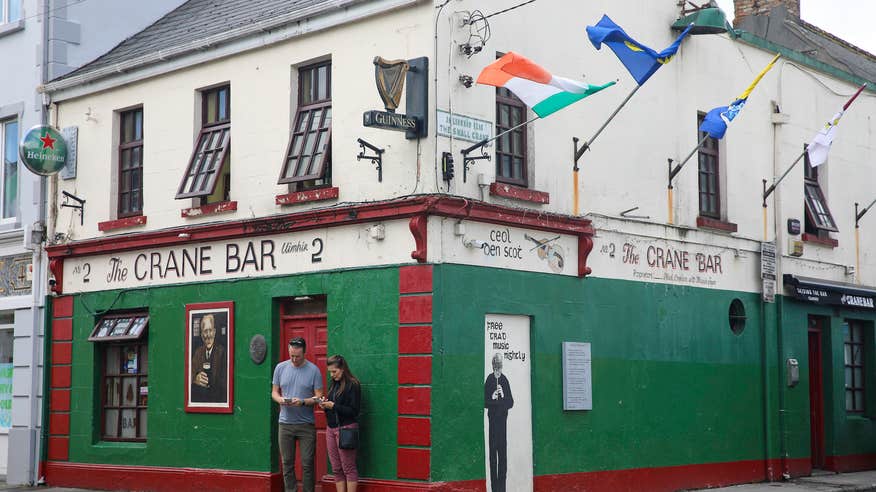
(348, 438)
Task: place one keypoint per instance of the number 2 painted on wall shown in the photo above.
(317, 256)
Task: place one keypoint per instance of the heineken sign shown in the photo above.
(43, 150)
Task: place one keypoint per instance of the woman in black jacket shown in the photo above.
(341, 407)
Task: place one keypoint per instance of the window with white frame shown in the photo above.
(819, 220)
(9, 170)
(10, 11)
(308, 162)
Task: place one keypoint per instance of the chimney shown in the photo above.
(745, 8)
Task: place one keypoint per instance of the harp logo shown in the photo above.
(390, 78)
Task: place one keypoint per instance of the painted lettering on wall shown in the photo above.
(677, 264)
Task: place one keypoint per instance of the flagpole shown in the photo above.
(764, 208)
(674, 172)
(768, 191)
(613, 114)
(579, 152)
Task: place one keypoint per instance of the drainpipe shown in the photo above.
(37, 283)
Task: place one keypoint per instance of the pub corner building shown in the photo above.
(503, 339)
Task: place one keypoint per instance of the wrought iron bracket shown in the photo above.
(377, 159)
(468, 161)
(80, 205)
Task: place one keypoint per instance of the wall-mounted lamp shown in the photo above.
(473, 243)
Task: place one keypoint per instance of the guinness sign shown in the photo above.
(390, 77)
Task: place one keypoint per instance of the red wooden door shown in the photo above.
(816, 394)
(312, 328)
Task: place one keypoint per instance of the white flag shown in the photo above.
(820, 145)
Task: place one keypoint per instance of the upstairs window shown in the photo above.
(308, 159)
(10, 11)
(131, 163)
(709, 175)
(510, 148)
(208, 175)
(819, 220)
(9, 171)
(124, 363)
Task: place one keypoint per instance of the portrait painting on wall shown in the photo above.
(210, 357)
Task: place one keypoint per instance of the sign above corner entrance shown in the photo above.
(43, 150)
(830, 293)
(390, 77)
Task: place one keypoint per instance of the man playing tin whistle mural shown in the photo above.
(497, 401)
(208, 366)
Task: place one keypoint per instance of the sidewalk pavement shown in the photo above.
(828, 482)
(843, 482)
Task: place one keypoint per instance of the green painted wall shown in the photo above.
(363, 325)
(672, 384)
(845, 433)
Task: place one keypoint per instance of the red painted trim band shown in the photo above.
(62, 330)
(62, 353)
(415, 369)
(415, 279)
(415, 340)
(62, 307)
(414, 431)
(209, 209)
(413, 463)
(505, 190)
(111, 225)
(59, 424)
(415, 400)
(850, 462)
(58, 448)
(59, 400)
(308, 196)
(439, 205)
(415, 309)
(159, 479)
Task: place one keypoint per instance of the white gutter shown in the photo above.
(249, 37)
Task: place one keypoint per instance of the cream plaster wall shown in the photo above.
(627, 166)
(261, 109)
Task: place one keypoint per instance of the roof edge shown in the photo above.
(200, 45)
(798, 57)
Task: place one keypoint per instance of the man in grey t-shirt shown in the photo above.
(296, 386)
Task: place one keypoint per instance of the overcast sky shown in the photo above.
(850, 20)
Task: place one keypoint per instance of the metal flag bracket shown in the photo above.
(467, 161)
(79, 206)
(377, 159)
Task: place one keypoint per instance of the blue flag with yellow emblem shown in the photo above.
(716, 121)
(640, 60)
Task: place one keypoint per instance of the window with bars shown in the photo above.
(208, 174)
(510, 148)
(819, 220)
(853, 354)
(709, 175)
(130, 163)
(308, 158)
(124, 357)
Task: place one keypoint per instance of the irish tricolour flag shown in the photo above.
(539, 89)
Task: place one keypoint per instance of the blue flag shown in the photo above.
(640, 60)
(716, 121)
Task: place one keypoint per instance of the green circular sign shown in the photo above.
(43, 150)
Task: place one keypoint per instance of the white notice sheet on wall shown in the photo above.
(577, 377)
